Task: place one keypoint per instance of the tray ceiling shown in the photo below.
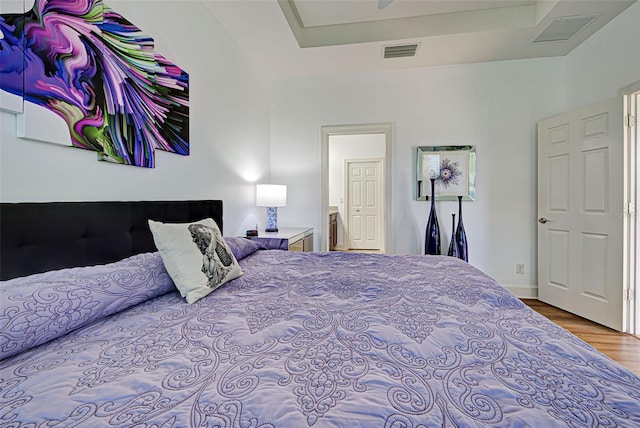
(289, 38)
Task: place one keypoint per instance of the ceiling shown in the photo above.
(288, 38)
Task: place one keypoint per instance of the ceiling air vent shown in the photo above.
(564, 28)
(400, 51)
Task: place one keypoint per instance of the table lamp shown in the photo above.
(271, 196)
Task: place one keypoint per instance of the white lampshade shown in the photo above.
(271, 195)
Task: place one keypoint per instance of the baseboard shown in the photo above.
(523, 291)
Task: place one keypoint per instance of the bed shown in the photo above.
(93, 333)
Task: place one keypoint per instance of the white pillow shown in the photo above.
(195, 256)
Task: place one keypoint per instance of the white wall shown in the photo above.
(494, 106)
(341, 148)
(229, 117)
(606, 62)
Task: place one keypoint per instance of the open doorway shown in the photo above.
(356, 191)
(347, 151)
(618, 285)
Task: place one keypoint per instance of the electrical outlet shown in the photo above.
(520, 269)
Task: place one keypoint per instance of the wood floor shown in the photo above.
(621, 347)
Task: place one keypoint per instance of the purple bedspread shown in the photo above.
(323, 340)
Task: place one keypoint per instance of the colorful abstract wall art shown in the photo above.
(100, 74)
(11, 59)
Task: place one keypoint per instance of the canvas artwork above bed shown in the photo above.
(296, 340)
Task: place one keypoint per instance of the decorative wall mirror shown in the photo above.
(453, 167)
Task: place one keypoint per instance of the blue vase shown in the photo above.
(461, 236)
(453, 246)
(432, 236)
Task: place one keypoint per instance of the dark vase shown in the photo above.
(432, 237)
(453, 246)
(461, 236)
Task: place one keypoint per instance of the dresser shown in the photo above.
(287, 238)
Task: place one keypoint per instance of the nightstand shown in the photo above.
(287, 238)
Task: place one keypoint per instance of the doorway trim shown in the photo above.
(372, 128)
(631, 279)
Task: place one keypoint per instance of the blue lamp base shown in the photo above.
(272, 219)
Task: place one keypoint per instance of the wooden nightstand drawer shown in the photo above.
(297, 245)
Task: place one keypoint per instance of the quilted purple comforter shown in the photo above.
(301, 339)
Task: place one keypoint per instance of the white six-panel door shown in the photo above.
(364, 186)
(580, 212)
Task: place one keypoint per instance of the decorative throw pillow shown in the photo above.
(195, 255)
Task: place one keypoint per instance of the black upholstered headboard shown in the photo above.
(38, 237)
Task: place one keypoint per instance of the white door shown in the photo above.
(364, 203)
(580, 212)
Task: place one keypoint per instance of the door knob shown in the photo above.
(543, 220)
(357, 211)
